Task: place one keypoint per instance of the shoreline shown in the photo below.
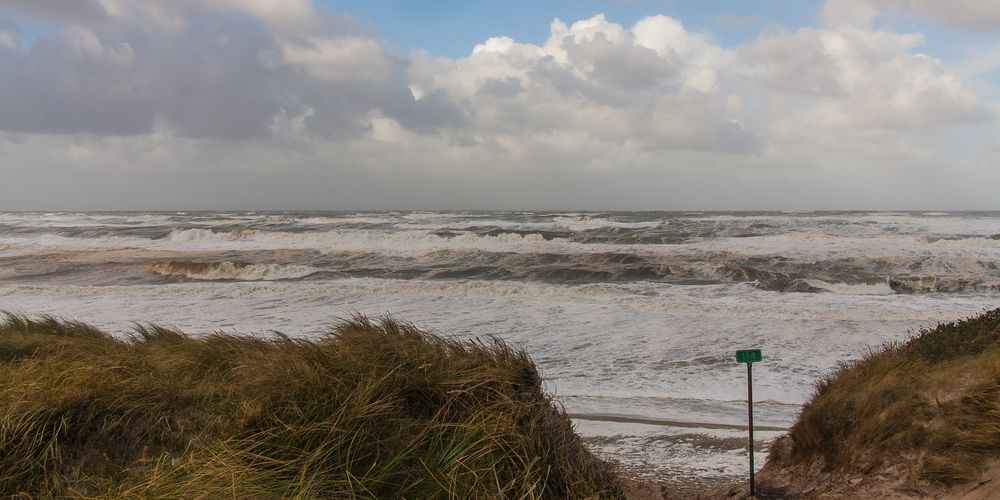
(688, 490)
(628, 419)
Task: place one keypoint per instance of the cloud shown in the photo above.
(281, 13)
(216, 75)
(228, 94)
(85, 44)
(339, 59)
(859, 79)
(9, 39)
(73, 83)
(286, 14)
(76, 12)
(652, 87)
(970, 15)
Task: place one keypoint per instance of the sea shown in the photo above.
(632, 317)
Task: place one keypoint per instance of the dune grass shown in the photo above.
(928, 409)
(373, 409)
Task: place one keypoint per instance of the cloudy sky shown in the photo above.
(564, 104)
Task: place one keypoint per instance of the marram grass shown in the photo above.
(925, 410)
(371, 410)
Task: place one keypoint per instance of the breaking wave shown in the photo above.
(591, 223)
(876, 287)
(242, 271)
(388, 243)
(198, 234)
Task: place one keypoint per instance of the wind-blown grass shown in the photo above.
(927, 410)
(373, 409)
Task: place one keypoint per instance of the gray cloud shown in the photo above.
(203, 82)
(65, 86)
(793, 62)
(501, 87)
(968, 15)
(76, 11)
(619, 66)
(208, 81)
(210, 78)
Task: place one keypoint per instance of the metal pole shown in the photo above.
(750, 414)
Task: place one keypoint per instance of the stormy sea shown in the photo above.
(633, 317)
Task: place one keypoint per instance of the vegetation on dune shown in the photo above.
(925, 410)
(373, 409)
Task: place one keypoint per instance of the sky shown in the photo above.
(555, 105)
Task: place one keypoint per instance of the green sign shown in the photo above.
(748, 356)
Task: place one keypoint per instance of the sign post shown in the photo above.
(750, 356)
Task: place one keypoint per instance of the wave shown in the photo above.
(227, 270)
(739, 301)
(81, 220)
(797, 244)
(879, 287)
(505, 256)
(198, 234)
(384, 242)
(814, 246)
(591, 223)
(792, 261)
(559, 223)
(345, 221)
(846, 277)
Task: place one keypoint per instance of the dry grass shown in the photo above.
(374, 409)
(928, 408)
